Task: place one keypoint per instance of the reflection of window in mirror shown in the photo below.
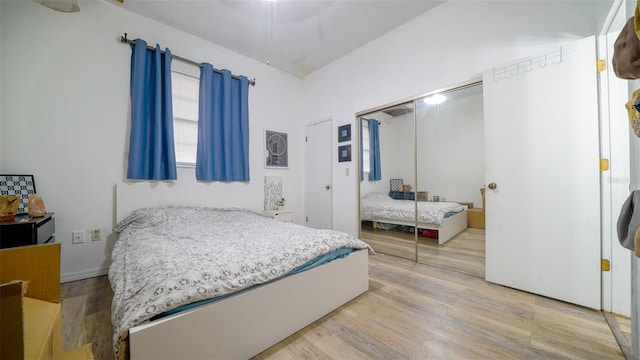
(365, 148)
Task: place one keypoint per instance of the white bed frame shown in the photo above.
(242, 325)
(450, 227)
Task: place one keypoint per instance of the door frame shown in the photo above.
(305, 193)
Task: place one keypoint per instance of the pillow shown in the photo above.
(626, 53)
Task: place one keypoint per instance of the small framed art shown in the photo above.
(344, 133)
(277, 149)
(18, 185)
(344, 153)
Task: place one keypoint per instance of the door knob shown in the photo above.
(328, 187)
(492, 186)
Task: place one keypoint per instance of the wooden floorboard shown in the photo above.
(465, 252)
(411, 311)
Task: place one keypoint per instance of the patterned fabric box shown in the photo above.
(18, 185)
(396, 185)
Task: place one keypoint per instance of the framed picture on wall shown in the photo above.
(344, 133)
(344, 153)
(277, 150)
(18, 185)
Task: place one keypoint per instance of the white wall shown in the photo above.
(396, 152)
(65, 101)
(450, 148)
(65, 91)
(449, 45)
(382, 185)
(401, 161)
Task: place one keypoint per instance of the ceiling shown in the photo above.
(299, 37)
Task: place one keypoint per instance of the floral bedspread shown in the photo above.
(170, 256)
(377, 206)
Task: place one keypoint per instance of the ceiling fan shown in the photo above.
(68, 6)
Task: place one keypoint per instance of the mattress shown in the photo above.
(320, 260)
(380, 207)
(169, 256)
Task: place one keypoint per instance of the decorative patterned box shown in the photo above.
(395, 185)
(18, 185)
(422, 195)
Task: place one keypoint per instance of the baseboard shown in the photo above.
(68, 277)
(622, 341)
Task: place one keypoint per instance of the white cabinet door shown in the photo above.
(318, 165)
(542, 141)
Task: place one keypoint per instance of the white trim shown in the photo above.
(334, 155)
(605, 176)
(86, 274)
(614, 145)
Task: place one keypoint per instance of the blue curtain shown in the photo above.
(151, 147)
(223, 127)
(375, 172)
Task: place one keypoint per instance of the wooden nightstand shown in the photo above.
(280, 215)
(24, 230)
(475, 218)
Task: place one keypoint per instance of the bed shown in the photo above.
(448, 218)
(260, 299)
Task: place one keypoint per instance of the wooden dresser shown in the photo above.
(476, 216)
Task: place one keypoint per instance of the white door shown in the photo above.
(318, 165)
(542, 141)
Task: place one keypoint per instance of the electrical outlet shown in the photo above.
(96, 234)
(77, 237)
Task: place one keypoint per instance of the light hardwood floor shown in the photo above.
(411, 311)
(464, 252)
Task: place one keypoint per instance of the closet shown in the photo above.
(431, 149)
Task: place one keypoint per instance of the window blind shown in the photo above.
(185, 116)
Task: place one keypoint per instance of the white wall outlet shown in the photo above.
(96, 234)
(77, 237)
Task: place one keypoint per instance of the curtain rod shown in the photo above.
(376, 120)
(124, 40)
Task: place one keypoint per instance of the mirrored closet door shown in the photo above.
(450, 175)
(387, 168)
(426, 204)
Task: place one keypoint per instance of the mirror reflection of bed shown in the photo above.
(426, 154)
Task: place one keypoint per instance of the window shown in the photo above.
(185, 95)
(366, 146)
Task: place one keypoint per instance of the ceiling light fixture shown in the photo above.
(435, 99)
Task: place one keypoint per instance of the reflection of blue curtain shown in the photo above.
(151, 148)
(223, 127)
(361, 151)
(375, 172)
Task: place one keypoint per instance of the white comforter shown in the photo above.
(377, 206)
(170, 256)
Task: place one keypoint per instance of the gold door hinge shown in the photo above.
(604, 164)
(601, 65)
(605, 265)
